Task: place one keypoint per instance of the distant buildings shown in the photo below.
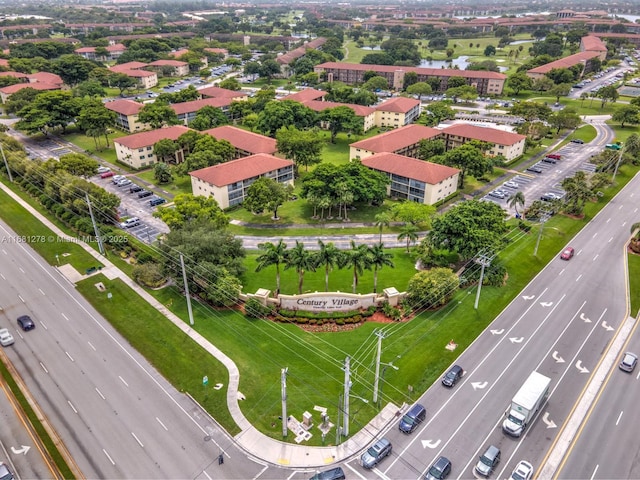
(590, 47)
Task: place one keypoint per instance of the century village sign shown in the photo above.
(327, 301)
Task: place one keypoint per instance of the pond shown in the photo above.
(462, 61)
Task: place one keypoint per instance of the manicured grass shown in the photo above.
(40, 238)
(88, 145)
(582, 107)
(634, 283)
(180, 184)
(623, 133)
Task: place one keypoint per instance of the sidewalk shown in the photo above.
(254, 443)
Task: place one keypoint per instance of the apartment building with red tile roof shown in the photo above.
(127, 114)
(413, 179)
(485, 82)
(368, 114)
(113, 52)
(565, 62)
(246, 143)
(508, 144)
(217, 92)
(403, 141)
(187, 111)
(397, 112)
(305, 95)
(137, 150)
(46, 78)
(179, 69)
(228, 182)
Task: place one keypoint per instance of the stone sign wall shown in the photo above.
(327, 301)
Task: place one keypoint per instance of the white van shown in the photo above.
(130, 222)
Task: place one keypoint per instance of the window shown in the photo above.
(149, 148)
(141, 150)
(141, 157)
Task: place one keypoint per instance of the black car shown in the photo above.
(534, 169)
(440, 469)
(135, 189)
(156, 201)
(577, 140)
(452, 376)
(144, 194)
(549, 160)
(26, 323)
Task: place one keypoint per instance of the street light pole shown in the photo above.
(484, 261)
(543, 218)
(615, 170)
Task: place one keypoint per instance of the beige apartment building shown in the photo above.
(136, 150)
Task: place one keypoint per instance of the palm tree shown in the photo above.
(409, 233)
(515, 200)
(327, 256)
(357, 258)
(379, 258)
(301, 259)
(383, 219)
(273, 255)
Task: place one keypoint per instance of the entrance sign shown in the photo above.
(327, 301)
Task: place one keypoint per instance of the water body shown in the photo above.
(631, 18)
(462, 61)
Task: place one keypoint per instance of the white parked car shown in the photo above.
(6, 338)
(523, 471)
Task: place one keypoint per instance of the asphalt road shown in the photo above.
(560, 325)
(117, 416)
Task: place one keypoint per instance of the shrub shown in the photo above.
(432, 288)
(254, 309)
(148, 275)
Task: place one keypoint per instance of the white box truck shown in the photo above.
(526, 402)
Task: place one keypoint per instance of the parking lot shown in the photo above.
(136, 202)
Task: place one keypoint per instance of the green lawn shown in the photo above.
(88, 145)
(634, 284)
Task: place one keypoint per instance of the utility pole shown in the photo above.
(186, 290)
(380, 335)
(338, 430)
(615, 170)
(484, 261)
(283, 381)
(544, 216)
(345, 408)
(95, 226)
(6, 164)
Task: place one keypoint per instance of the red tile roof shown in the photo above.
(436, 72)
(359, 110)
(14, 75)
(124, 107)
(4, 62)
(195, 105)
(397, 139)
(178, 53)
(128, 66)
(45, 77)
(146, 139)
(244, 140)
(591, 43)
(305, 95)
(223, 51)
(565, 62)
(11, 89)
(485, 134)
(138, 73)
(398, 105)
(217, 92)
(118, 47)
(169, 63)
(427, 172)
(240, 169)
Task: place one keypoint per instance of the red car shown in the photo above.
(106, 174)
(567, 253)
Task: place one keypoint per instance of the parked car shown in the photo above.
(5, 472)
(130, 222)
(26, 323)
(412, 419)
(549, 197)
(106, 174)
(102, 169)
(135, 189)
(452, 376)
(511, 184)
(496, 194)
(123, 182)
(332, 474)
(144, 194)
(375, 453)
(6, 339)
(534, 169)
(549, 160)
(567, 253)
(117, 178)
(156, 201)
(439, 470)
(629, 362)
(488, 461)
(523, 471)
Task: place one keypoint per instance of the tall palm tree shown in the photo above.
(273, 255)
(383, 219)
(327, 256)
(409, 233)
(379, 258)
(301, 259)
(358, 258)
(515, 200)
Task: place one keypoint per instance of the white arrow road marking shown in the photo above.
(528, 297)
(586, 319)
(557, 357)
(606, 326)
(548, 423)
(430, 443)
(516, 339)
(581, 368)
(22, 450)
(497, 332)
(478, 385)
(546, 304)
